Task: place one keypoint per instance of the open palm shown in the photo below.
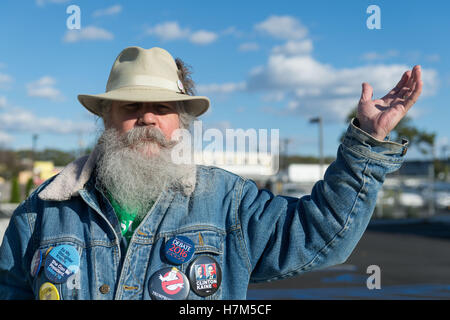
(378, 117)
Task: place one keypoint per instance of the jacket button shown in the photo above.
(104, 288)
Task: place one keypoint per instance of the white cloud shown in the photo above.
(282, 27)
(232, 31)
(294, 47)
(44, 88)
(248, 46)
(110, 11)
(373, 56)
(224, 88)
(5, 80)
(44, 2)
(203, 37)
(2, 102)
(171, 30)
(433, 57)
(88, 33)
(313, 88)
(5, 138)
(20, 120)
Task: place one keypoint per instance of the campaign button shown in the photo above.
(61, 262)
(180, 85)
(168, 284)
(205, 275)
(36, 262)
(179, 249)
(48, 291)
(48, 250)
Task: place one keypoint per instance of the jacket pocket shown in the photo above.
(68, 290)
(207, 243)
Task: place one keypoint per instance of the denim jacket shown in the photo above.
(254, 235)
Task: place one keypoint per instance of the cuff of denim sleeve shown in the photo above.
(362, 142)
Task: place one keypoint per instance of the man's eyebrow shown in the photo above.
(131, 103)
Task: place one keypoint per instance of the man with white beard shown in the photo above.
(126, 164)
(116, 223)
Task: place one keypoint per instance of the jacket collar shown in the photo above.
(76, 174)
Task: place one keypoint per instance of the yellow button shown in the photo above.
(48, 291)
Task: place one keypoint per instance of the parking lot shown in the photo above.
(412, 256)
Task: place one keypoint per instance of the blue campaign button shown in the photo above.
(179, 249)
(62, 262)
(36, 262)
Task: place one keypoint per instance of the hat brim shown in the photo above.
(195, 105)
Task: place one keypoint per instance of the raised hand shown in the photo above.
(378, 117)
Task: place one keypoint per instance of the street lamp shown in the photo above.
(320, 122)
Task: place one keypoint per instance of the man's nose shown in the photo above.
(147, 118)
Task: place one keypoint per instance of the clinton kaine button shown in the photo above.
(179, 250)
(61, 262)
(205, 275)
(168, 284)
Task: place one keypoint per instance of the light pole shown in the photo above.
(320, 122)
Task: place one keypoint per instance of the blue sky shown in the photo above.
(265, 64)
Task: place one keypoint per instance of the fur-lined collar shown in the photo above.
(75, 175)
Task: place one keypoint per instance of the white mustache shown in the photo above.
(146, 134)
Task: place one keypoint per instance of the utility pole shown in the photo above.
(33, 149)
(321, 159)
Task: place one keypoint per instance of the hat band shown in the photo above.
(144, 80)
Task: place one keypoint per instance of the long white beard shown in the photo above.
(135, 167)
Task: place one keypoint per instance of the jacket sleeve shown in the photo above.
(285, 236)
(14, 264)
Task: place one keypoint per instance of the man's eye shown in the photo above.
(163, 109)
(131, 106)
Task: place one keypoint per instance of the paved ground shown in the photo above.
(414, 261)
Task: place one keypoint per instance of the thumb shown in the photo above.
(367, 92)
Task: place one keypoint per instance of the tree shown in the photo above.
(28, 187)
(59, 157)
(15, 191)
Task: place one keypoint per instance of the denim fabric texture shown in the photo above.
(254, 235)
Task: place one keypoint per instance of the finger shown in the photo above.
(417, 71)
(405, 92)
(415, 75)
(394, 93)
(405, 77)
(367, 92)
(411, 100)
(408, 88)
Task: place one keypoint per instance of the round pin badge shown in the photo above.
(168, 284)
(48, 291)
(62, 262)
(205, 276)
(179, 249)
(36, 262)
(47, 251)
(180, 86)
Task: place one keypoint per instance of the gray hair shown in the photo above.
(186, 119)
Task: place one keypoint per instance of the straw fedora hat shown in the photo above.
(145, 75)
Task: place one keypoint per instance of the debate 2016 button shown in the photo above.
(205, 275)
(36, 262)
(48, 291)
(179, 249)
(168, 284)
(62, 262)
